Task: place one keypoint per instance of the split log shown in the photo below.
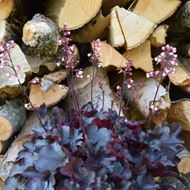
(95, 29)
(181, 76)
(141, 56)
(12, 153)
(156, 11)
(1, 184)
(83, 90)
(135, 28)
(179, 112)
(158, 37)
(36, 63)
(41, 34)
(75, 13)
(54, 94)
(107, 5)
(56, 76)
(12, 118)
(11, 86)
(110, 56)
(183, 166)
(6, 6)
(116, 37)
(142, 97)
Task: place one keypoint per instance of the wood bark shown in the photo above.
(5, 31)
(12, 118)
(42, 35)
(12, 86)
(145, 94)
(107, 5)
(83, 90)
(12, 153)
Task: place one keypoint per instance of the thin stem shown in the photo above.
(122, 94)
(92, 84)
(131, 5)
(23, 90)
(103, 99)
(150, 115)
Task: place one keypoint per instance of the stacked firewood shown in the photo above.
(129, 29)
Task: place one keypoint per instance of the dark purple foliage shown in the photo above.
(96, 151)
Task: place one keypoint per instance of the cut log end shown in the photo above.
(110, 56)
(6, 129)
(158, 38)
(135, 29)
(156, 11)
(184, 165)
(74, 14)
(6, 6)
(50, 97)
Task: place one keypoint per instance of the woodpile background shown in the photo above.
(129, 29)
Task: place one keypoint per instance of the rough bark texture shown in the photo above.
(41, 34)
(16, 147)
(14, 113)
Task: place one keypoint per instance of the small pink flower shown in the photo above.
(79, 73)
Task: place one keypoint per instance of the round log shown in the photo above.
(41, 34)
(12, 118)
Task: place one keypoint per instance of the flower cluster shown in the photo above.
(67, 56)
(167, 61)
(6, 61)
(95, 56)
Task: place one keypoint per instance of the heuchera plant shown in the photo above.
(94, 149)
(62, 156)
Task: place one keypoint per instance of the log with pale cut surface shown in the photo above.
(76, 13)
(116, 37)
(110, 56)
(141, 56)
(52, 96)
(12, 118)
(181, 76)
(158, 37)
(83, 90)
(135, 29)
(142, 97)
(6, 6)
(156, 11)
(11, 85)
(179, 112)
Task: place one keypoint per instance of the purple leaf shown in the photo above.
(50, 158)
